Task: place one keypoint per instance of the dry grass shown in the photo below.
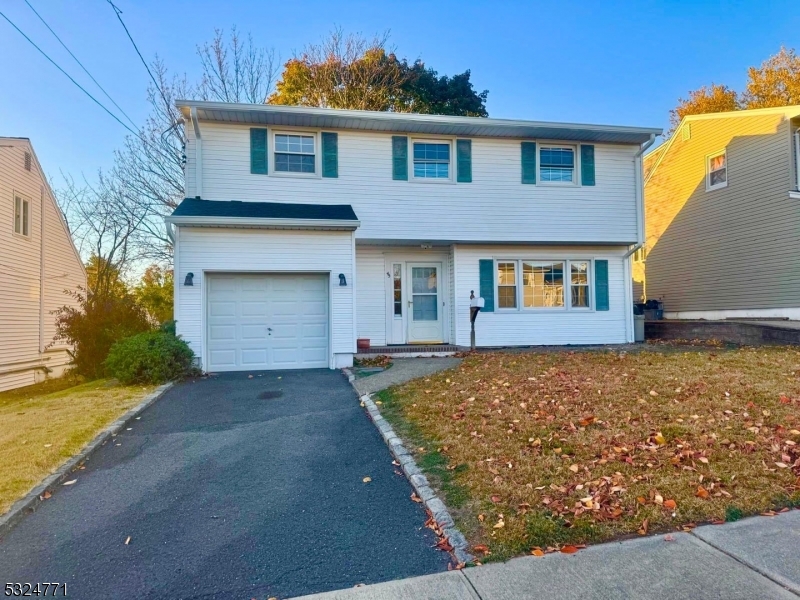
(545, 449)
(43, 426)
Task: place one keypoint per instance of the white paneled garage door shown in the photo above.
(267, 321)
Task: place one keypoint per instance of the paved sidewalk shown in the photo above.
(752, 559)
(402, 370)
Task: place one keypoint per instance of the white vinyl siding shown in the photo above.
(496, 206)
(220, 250)
(526, 327)
(28, 300)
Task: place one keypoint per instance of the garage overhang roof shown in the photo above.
(264, 215)
(411, 123)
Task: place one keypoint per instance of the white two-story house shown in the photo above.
(304, 230)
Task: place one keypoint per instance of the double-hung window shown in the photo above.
(543, 284)
(22, 215)
(557, 164)
(431, 160)
(716, 171)
(295, 153)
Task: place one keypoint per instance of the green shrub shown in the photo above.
(152, 357)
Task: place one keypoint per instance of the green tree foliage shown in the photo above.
(775, 83)
(351, 72)
(151, 357)
(95, 324)
(154, 293)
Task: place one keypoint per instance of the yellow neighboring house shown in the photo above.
(38, 261)
(722, 206)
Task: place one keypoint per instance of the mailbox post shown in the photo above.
(475, 306)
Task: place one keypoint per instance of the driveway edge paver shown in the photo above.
(418, 481)
(32, 499)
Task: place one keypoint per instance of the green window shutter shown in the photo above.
(528, 162)
(258, 151)
(587, 164)
(601, 284)
(486, 276)
(330, 154)
(464, 158)
(399, 158)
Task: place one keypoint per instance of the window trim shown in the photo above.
(450, 141)
(576, 168)
(25, 200)
(497, 285)
(272, 149)
(709, 157)
(567, 307)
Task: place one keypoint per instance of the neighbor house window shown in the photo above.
(557, 164)
(542, 284)
(431, 160)
(294, 153)
(717, 171)
(579, 284)
(507, 285)
(397, 280)
(22, 215)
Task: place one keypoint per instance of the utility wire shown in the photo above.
(85, 70)
(55, 64)
(118, 12)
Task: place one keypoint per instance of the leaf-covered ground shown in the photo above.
(551, 449)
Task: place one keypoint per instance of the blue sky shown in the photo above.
(593, 62)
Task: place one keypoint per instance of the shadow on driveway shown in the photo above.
(231, 487)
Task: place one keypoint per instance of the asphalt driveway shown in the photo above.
(231, 487)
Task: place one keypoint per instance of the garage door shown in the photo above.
(267, 322)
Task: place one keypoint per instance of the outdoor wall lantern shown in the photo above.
(342, 280)
(189, 279)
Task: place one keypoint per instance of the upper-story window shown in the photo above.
(716, 171)
(557, 164)
(294, 153)
(431, 160)
(22, 217)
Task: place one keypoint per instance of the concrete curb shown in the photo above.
(32, 499)
(418, 481)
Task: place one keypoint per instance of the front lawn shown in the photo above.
(44, 425)
(542, 450)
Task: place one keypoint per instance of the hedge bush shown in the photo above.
(152, 357)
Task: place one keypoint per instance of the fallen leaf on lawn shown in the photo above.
(660, 440)
(670, 504)
(500, 524)
(47, 445)
(643, 528)
(367, 479)
(415, 498)
(703, 460)
(653, 393)
(702, 492)
(70, 482)
(128, 540)
(781, 465)
(482, 548)
(574, 468)
(586, 421)
(496, 498)
(658, 499)
(537, 551)
(768, 513)
(481, 518)
(568, 549)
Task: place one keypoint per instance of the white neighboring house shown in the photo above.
(306, 229)
(38, 261)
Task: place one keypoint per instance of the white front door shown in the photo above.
(425, 318)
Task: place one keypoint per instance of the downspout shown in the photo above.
(797, 159)
(637, 169)
(198, 155)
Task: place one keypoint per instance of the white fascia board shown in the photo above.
(334, 224)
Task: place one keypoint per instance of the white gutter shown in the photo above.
(41, 269)
(637, 169)
(338, 224)
(797, 159)
(198, 155)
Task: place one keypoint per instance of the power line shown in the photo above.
(95, 100)
(85, 70)
(118, 12)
